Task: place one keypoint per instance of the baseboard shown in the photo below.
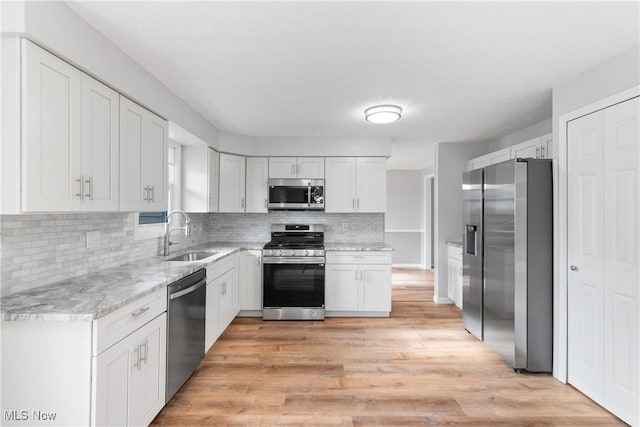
(356, 314)
(250, 313)
(442, 300)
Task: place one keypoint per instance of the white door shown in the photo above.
(282, 167)
(212, 318)
(585, 253)
(250, 280)
(232, 183)
(341, 287)
(621, 240)
(371, 184)
(213, 163)
(110, 383)
(51, 132)
(375, 288)
(257, 177)
(155, 147)
(340, 184)
(527, 150)
(131, 129)
(100, 145)
(148, 382)
(310, 167)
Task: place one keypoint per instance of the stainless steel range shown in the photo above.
(293, 273)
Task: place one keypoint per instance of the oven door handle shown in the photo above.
(294, 260)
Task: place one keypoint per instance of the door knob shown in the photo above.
(574, 268)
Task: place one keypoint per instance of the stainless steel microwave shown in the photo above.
(296, 194)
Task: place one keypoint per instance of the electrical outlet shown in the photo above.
(92, 239)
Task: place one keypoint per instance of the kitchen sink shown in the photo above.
(192, 256)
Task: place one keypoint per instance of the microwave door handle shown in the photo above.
(309, 195)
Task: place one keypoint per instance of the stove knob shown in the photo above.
(306, 253)
(279, 253)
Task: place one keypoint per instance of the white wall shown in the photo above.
(53, 25)
(404, 217)
(451, 161)
(522, 135)
(347, 146)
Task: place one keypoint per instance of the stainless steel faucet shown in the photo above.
(167, 230)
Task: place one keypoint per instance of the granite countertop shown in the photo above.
(94, 295)
(454, 243)
(357, 246)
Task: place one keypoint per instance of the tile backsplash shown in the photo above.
(39, 249)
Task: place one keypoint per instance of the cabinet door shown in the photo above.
(155, 148)
(340, 184)
(341, 287)
(257, 176)
(212, 318)
(250, 280)
(499, 156)
(131, 129)
(478, 162)
(51, 132)
(527, 150)
(148, 381)
(213, 163)
(232, 183)
(226, 304)
(282, 167)
(310, 167)
(100, 145)
(375, 288)
(451, 279)
(546, 147)
(371, 184)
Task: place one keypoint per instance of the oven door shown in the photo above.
(293, 282)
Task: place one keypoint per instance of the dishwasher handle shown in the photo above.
(188, 290)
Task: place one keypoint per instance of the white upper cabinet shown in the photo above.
(478, 162)
(200, 173)
(232, 183)
(546, 146)
(143, 159)
(527, 149)
(51, 132)
(536, 148)
(340, 184)
(257, 177)
(100, 146)
(296, 167)
(371, 184)
(356, 184)
(499, 156)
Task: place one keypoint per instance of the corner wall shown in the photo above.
(451, 162)
(404, 217)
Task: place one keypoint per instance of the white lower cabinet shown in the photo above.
(129, 380)
(454, 277)
(221, 307)
(250, 281)
(357, 283)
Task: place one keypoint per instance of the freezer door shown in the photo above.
(499, 262)
(472, 252)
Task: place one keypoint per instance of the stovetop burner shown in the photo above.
(295, 240)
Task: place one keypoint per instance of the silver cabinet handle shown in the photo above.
(242, 202)
(89, 181)
(152, 193)
(265, 203)
(574, 268)
(353, 203)
(146, 193)
(80, 193)
(145, 346)
(139, 312)
(537, 153)
(358, 203)
(136, 364)
(542, 152)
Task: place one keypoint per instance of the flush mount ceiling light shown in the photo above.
(383, 113)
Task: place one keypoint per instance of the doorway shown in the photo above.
(427, 242)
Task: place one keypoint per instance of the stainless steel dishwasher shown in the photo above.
(185, 329)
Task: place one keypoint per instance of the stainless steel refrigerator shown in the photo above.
(508, 260)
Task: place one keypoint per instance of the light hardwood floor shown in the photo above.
(419, 367)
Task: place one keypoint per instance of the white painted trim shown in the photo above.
(400, 230)
(408, 266)
(356, 314)
(442, 300)
(560, 236)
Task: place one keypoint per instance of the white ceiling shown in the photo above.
(462, 71)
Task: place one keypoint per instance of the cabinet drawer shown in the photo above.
(358, 257)
(455, 252)
(117, 325)
(218, 268)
